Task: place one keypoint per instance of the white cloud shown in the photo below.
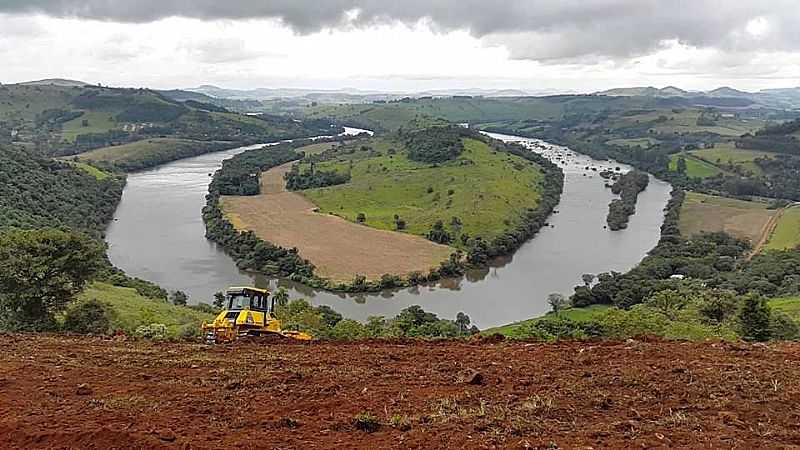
(390, 55)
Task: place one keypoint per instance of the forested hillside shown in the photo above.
(37, 193)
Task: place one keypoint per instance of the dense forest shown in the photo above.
(38, 193)
(628, 187)
(435, 145)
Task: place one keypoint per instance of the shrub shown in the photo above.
(755, 318)
(154, 331)
(365, 421)
(89, 317)
(783, 328)
(349, 329)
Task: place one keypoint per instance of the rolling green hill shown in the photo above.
(385, 183)
(66, 120)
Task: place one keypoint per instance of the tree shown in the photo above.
(681, 165)
(41, 271)
(219, 300)
(179, 298)
(361, 217)
(717, 306)
(755, 318)
(438, 234)
(588, 279)
(557, 302)
(463, 321)
(281, 297)
(329, 315)
(667, 301)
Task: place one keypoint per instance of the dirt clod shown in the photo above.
(473, 377)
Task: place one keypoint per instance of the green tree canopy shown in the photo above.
(41, 271)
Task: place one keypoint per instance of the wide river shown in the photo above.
(158, 235)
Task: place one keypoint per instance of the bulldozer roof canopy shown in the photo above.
(244, 290)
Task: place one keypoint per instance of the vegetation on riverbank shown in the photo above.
(687, 288)
(628, 187)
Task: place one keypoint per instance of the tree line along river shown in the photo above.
(158, 234)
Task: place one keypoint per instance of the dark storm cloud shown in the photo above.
(535, 29)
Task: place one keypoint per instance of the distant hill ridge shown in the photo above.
(781, 98)
(55, 82)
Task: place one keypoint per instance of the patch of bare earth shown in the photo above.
(62, 392)
(339, 249)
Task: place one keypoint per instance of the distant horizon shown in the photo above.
(368, 91)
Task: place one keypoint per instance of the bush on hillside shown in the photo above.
(89, 317)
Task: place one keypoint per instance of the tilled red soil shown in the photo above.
(77, 392)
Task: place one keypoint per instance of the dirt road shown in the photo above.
(82, 393)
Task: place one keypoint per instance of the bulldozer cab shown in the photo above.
(254, 299)
(249, 312)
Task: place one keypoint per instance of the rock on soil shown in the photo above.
(604, 394)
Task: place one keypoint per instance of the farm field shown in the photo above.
(695, 168)
(745, 220)
(99, 122)
(84, 392)
(149, 152)
(726, 153)
(786, 235)
(385, 185)
(339, 249)
(685, 121)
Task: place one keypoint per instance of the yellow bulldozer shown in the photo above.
(248, 311)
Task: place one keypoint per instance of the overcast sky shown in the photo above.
(404, 45)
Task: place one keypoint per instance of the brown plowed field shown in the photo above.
(78, 392)
(339, 249)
